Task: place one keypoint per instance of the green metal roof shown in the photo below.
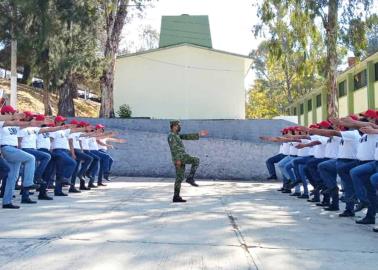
(185, 29)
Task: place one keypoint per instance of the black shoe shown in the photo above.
(303, 196)
(272, 177)
(60, 194)
(365, 221)
(331, 208)
(294, 184)
(360, 207)
(178, 200)
(375, 229)
(91, 185)
(281, 189)
(74, 190)
(28, 201)
(346, 213)
(10, 206)
(191, 181)
(313, 200)
(101, 185)
(44, 197)
(83, 187)
(297, 194)
(322, 204)
(18, 187)
(286, 191)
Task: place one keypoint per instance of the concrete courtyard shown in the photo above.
(132, 224)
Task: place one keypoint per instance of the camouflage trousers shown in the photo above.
(180, 171)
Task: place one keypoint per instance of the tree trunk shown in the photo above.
(46, 97)
(114, 24)
(331, 32)
(26, 78)
(66, 106)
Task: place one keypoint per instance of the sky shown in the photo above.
(231, 22)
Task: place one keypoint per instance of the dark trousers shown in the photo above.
(85, 160)
(42, 159)
(312, 173)
(93, 168)
(49, 172)
(270, 164)
(4, 170)
(104, 164)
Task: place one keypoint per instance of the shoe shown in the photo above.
(365, 221)
(346, 213)
(91, 185)
(44, 197)
(322, 204)
(191, 182)
(375, 229)
(178, 200)
(101, 184)
(10, 206)
(313, 200)
(82, 185)
(286, 191)
(303, 196)
(294, 184)
(272, 177)
(281, 189)
(28, 201)
(32, 187)
(331, 208)
(74, 190)
(295, 194)
(360, 207)
(60, 194)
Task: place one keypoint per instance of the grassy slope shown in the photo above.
(31, 99)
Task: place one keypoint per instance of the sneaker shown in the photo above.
(346, 213)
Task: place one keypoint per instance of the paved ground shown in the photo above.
(131, 224)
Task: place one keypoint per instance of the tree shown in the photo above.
(300, 13)
(114, 14)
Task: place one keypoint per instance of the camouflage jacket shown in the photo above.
(176, 145)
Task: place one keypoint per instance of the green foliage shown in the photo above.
(262, 104)
(124, 111)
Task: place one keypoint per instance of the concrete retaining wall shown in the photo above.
(232, 150)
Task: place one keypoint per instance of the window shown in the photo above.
(360, 80)
(318, 101)
(376, 71)
(342, 89)
(301, 109)
(309, 105)
(295, 111)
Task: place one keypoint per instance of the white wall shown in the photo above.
(162, 84)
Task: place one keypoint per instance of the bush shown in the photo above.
(124, 111)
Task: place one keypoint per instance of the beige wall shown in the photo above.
(343, 106)
(319, 114)
(162, 84)
(360, 100)
(309, 118)
(301, 119)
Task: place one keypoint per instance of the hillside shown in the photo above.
(31, 99)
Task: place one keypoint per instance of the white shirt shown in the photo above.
(312, 148)
(332, 147)
(84, 143)
(304, 152)
(293, 151)
(9, 135)
(75, 139)
(60, 139)
(93, 144)
(319, 150)
(366, 147)
(101, 147)
(43, 141)
(349, 143)
(285, 148)
(29, 137)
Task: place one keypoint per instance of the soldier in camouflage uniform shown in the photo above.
(180, 157)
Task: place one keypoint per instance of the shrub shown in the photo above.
(124, 111)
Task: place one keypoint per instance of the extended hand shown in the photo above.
(203, 133)
(178, 163)
(369, 130)
(300, 146)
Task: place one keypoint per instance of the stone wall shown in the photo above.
(231, 151)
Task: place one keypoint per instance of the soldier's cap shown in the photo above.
(174, 122)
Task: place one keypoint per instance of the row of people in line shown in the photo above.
(45, 152)
(346, 148)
